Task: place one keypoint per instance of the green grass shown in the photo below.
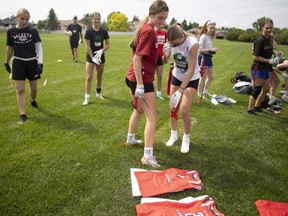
(70, 160)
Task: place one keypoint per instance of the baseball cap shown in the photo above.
(74, 17)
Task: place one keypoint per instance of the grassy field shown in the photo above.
(70, 160)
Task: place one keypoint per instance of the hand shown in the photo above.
(8, 68)
(98, 53)
(274, 61)
(80, 42)
(139, 92)
(175, 98)
(39, 70)
(166, 49)
(96, 60)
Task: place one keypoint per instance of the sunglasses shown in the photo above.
(135, 101)
(178, 44)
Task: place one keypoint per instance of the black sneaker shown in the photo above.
(251, 112)
(258, 109)
(22, 118)
(34, 104)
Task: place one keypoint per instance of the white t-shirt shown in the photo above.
(180, 56)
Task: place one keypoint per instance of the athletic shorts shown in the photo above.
(148, 87)
(207, 61)
(191, 84)
(159, 61)
(88, 59)
(74, 44)
(264, 74)
(24, 69)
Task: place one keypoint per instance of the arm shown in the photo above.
(9, 52)
(38, 46)
(107, 45)
(138, 68)
(88, 48)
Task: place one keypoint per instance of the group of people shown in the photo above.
(152, 46)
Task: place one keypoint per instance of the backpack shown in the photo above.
(240, 76)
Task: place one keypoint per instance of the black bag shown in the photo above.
(240, 76)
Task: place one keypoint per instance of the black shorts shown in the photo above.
(159, 61)
(191, 84)
(148, 87)
(88, 59)
(74, 44)
(24, 69)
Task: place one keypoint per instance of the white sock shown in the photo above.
(174, 133)
(186, 136)
(148, 152)
(130, 137)
(87, 96)
(158, 93)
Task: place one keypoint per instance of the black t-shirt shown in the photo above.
(96, 38)
(264, 48)
(75, 29)
(23, 41)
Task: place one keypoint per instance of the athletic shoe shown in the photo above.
(172, 140)
(272, 100)
(185, 145)
(160, 97)
(284, 75)
(251, 112)
(282, 92)
(285, 97)
(34, 104)
(133, 142)
(206, 93)
(86, 102)
(258, 109)
(22, 118)
(150, 162)
(100, 96)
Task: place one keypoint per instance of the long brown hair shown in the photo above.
(203, 30)
(156, 7)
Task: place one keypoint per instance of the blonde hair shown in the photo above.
(22, 11)
(158, 6)
(203, 30)
(95, 14)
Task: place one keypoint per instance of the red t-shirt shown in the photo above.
(147, 47)
(161, 40)
(269, 208)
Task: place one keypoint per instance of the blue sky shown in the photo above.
(226, 13)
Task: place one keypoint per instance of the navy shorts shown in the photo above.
(264, 74)
(24, 69)
(191, 84)
(148, 87)
(207, 61)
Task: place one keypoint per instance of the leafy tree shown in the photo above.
(259, 23)
(135, 19)
(42, 24)
(173, 20)
(86, 20)
(184, 25)
(52, 20)
(117, 21)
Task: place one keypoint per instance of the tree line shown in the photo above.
(117, 21)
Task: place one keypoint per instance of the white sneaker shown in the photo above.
(100, 96)
(172, 140)
(133, 142)
(86, 102)
(282, 92)
(185, 145)
(285, 97)
(272, 100)
(150, 162)
(206, 93)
